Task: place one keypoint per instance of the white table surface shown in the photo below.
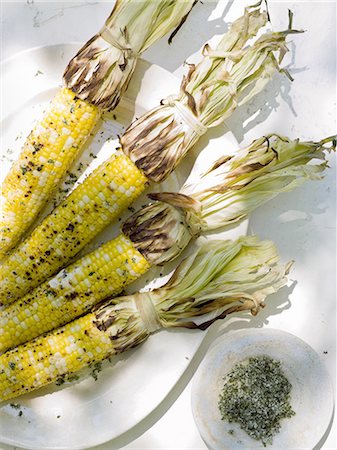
(302, 223)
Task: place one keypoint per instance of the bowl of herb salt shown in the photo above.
(261, 388)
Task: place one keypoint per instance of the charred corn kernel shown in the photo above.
(47, 154)
(72, 292)
(52, 357)
(100, 199)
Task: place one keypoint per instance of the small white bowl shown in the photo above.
(311, 395)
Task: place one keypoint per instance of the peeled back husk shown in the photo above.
(101, 70)
(220, 276)
(226, 77)
(238, 184)
(160, 232)
(231, 188)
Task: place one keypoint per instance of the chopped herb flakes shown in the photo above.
(256, 395)
(15, 405)
(60, 381)
(67, 377)
(72, 377)
(96, 369)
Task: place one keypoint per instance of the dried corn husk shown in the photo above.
(227, 192)
(222, 276)
(226, 78)
(101, 70)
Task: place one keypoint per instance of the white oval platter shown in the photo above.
(131, 387)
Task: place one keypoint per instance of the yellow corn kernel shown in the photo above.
(52, 357)
(72, 292)
(95, 203)
(47, 154)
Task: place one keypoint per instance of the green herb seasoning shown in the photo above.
(256, 395)
(97, 367)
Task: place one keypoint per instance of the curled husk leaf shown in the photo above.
(226, 78)
(227, 192)
(237, 184)
(222, 276)
(101, 70)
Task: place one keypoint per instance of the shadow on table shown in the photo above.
(187, 41)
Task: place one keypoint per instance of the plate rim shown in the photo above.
(201, 338)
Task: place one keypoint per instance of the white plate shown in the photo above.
(311, 395)
(89, 413)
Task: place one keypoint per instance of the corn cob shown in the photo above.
(102, 197)
(231, 276)
(153, 146)
(226, 193)
(48, 152)
(95, 79)
(72, 292)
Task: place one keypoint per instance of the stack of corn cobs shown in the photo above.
(57, 318)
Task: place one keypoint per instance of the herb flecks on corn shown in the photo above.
(222, 276)
(72, 292)
(48, 152)
(155, 235)
(156, 143)
(98, 74)
(229, 190)
(47, 359)
(100, 199)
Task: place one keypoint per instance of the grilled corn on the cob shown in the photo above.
(48, 152)
(224, 194)
(231, 276)
(155, 144)
(95, 79)
(86, 211)
(72, 292)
